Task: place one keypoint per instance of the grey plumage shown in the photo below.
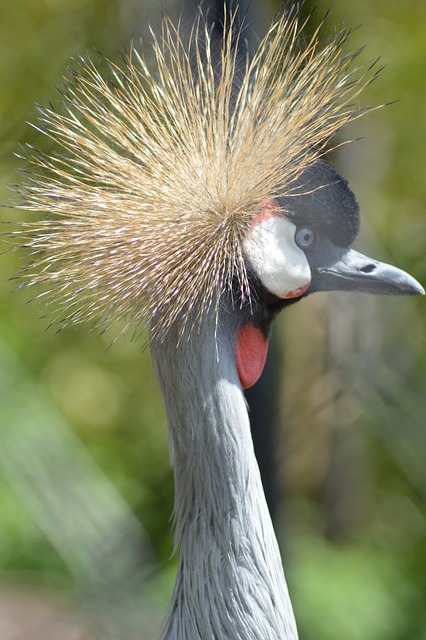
(230, 582)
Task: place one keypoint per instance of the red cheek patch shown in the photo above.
(296, 293)
(268, 209)
(251, 349)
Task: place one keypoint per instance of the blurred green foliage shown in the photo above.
(353, 445)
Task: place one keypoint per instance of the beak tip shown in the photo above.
(414, 286)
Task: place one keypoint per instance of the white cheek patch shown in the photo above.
(279, 263)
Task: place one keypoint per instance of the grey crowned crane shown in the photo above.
(190, 195)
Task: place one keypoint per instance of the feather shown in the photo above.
(155, 176)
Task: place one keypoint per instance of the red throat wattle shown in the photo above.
(251, 349)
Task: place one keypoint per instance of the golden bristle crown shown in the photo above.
(156, 176)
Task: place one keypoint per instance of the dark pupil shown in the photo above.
(307, 236)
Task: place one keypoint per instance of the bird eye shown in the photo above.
(305, 237)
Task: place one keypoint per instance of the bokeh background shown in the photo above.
(83, 435)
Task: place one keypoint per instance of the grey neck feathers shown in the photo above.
(230, 582)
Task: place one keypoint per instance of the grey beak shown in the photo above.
(353, 271)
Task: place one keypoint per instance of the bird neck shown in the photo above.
(230, 581)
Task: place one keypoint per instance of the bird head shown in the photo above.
(302, 243)
(199, 178)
